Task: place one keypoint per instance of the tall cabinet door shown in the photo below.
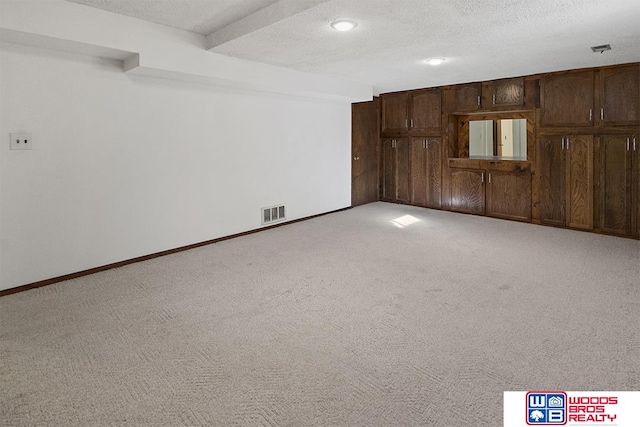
(419, 180)
(402, 170)
(579, 177)
(551, 168)
(620, 96)
(395, 170)
(616, 193)
(426, 172)
(388, 175)
(467, 191)
(566, 99)
(434, 172)
(394, 112)
(635, 193)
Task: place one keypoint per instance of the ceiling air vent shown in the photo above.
(273, 214)
(601, 48)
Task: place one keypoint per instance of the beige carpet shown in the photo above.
(346, 319)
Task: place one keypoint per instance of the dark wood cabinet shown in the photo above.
(618, 184)
(620, 96)
(467, 191)
(394, 112)
(425, 111)
(578, 171)
(509, 195)
(551, 169)
(468, 97)
(504, 93)
(395, 170)
(364, 152)
(566, 181)
(567, 99)
(426, 172)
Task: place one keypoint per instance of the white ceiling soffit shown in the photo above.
(198, 16)
(481, 40)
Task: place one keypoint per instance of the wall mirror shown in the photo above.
(502, 138)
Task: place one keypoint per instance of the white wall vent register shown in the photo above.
(273, 214)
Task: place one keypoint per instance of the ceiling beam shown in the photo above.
(260, 19)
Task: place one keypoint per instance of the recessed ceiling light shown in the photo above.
(344, 25)
(434, 61)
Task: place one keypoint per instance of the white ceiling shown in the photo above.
(480, 40)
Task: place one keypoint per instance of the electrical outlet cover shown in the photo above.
(21, 141)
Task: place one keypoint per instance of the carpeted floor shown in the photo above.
(347, 319)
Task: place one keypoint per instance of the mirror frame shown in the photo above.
(463, 132)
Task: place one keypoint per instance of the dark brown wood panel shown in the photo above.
(388, 175)
(395, 170)
(418, 172)
(509, 195)
(394, 111)
(635, 188)
(434, 172)
(468, 97)
(579, 176)
(425, 111)
(426, 172)
(620, 96)
(364, 153)
(552, 180)
(508, 92)
(467, 191)
(567, 99)
(615, 159)
(402, 170)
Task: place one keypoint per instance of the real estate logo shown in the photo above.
(546, 408)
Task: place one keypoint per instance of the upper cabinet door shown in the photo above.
(567, 99)
(394, 112)
(620, 96)
(508, 93)
(468, 97)
(426, 111)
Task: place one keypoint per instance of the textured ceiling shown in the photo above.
(481, 40)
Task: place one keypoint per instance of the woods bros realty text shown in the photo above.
(571, 408)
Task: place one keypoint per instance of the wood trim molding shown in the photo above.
(75, 275)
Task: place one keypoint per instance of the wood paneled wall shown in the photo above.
(582, 168)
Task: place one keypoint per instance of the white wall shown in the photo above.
(125, 166)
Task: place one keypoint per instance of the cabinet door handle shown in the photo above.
(601, 113)
(567, 143)
(482, 176)
(489, 177)
(628, 145)
(634, 143)
(406, 123)
(424, 144)
(411, 123)
(590, 114)
(494, 99)
(563, 142)
(478, 100)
